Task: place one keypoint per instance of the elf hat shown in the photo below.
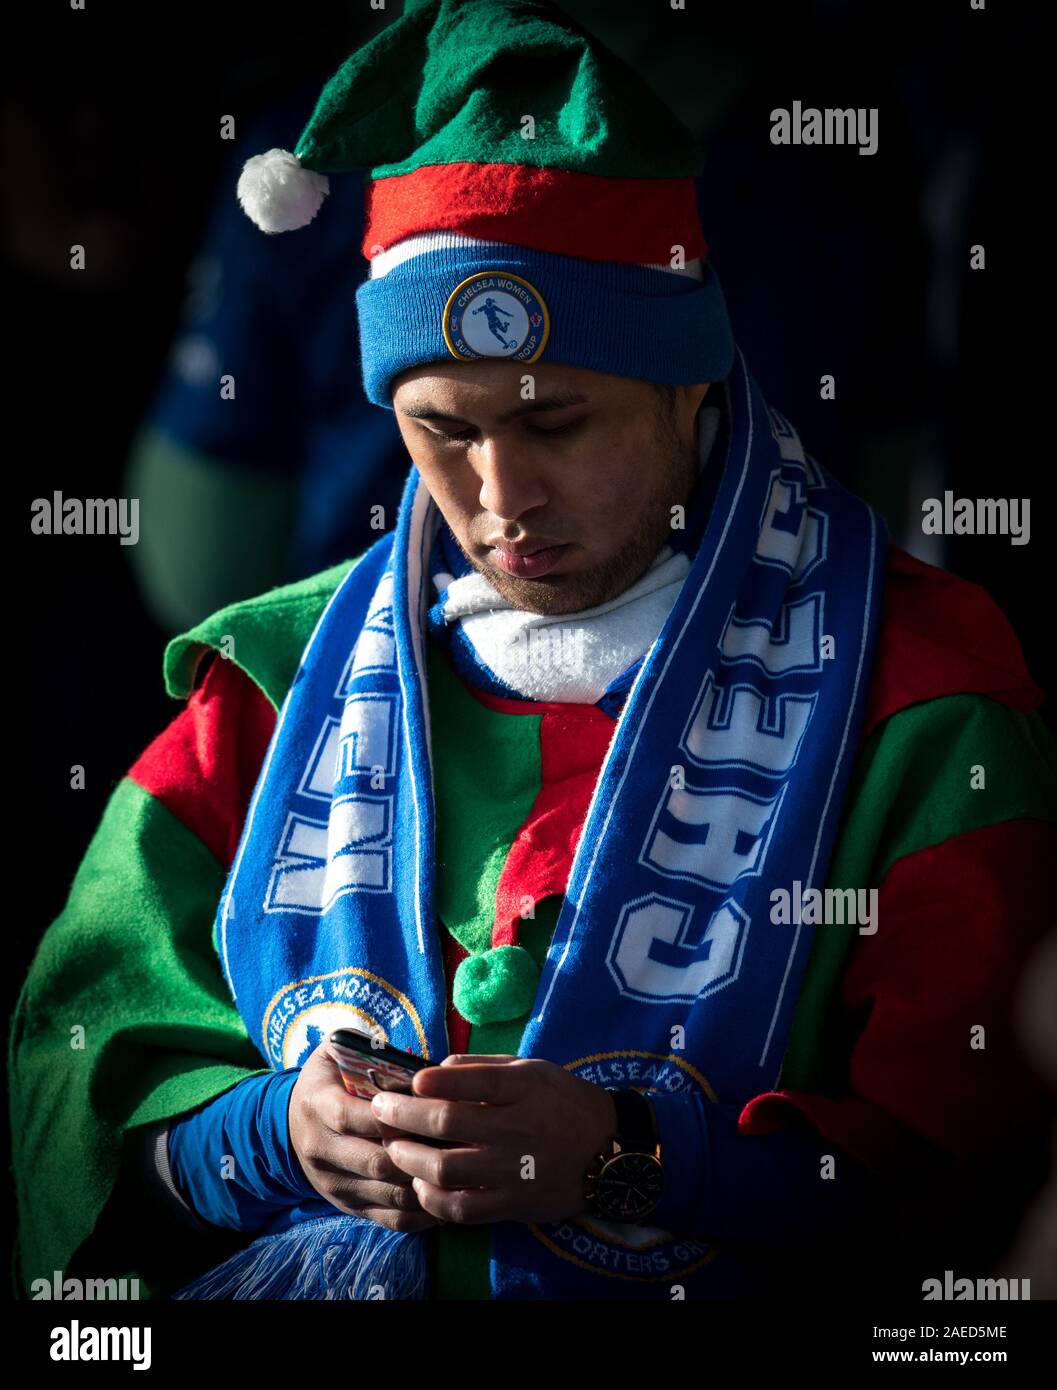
(529, 198)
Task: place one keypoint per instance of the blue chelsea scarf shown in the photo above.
(725, 777)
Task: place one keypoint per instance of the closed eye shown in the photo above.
(445, 434)
(464, 436)
(567, 428)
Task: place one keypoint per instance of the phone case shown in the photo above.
(372, 1070)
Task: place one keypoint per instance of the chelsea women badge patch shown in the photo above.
(495, 314)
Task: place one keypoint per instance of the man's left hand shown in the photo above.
(524, 1132)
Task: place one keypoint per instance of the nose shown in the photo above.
(511, 481)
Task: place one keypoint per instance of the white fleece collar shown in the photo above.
(572, 657)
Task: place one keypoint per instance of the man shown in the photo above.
(689, 829)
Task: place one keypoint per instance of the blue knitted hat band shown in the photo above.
(471, 300)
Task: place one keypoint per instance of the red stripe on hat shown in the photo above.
(636, 221)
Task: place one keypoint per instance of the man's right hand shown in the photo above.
(338, 1143)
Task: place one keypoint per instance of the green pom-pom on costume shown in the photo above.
(496, 986)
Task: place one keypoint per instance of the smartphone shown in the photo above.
(367, 1069)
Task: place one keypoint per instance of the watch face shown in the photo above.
(629, 1187)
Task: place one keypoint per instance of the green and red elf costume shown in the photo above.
(942, 788)
(960, 873)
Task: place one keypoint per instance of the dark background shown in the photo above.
(830, 261)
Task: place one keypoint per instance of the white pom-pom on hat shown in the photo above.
(278, 194)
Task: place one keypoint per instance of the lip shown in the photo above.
(526, 559)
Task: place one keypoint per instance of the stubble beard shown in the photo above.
(675, 467)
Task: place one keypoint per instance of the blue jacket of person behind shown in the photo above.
(278, 314)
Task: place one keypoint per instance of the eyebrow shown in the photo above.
(557, 400)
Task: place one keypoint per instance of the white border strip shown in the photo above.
(833, 782)
(417, 556)
(588, 832)
(262, 779)
(425, 242)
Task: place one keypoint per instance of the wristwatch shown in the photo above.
(625, 1182)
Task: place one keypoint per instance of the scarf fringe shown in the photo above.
(329, 1257)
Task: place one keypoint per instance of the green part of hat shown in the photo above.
(495, 986)
(453, 81)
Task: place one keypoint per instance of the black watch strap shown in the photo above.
(636, 1131)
